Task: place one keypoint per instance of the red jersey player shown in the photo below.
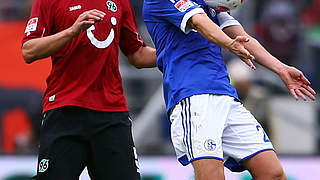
(86, 121)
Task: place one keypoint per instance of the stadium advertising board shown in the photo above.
(164, 168)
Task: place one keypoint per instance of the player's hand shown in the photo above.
(85, 20)
(297, 83)
(237, 47)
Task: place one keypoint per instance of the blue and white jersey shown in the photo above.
(190, 63)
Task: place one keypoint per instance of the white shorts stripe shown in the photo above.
(184, 128)
(186, 124)
(190, 135)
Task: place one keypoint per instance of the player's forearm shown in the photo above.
(262, 56)
(208, 29)
(43, 47)
(144, 57)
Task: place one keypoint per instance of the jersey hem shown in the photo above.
(106, 109)
(199, 93)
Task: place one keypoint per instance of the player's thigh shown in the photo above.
(208, 169)
(113, 155)
(266, 166)
(243, 137)
(63, 153)
(197, 125)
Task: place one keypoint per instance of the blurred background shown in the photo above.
(289, 29)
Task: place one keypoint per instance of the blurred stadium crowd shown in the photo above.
(289, 29)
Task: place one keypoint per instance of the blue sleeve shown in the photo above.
(176, 12)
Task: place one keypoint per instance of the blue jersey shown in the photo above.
(190, 63)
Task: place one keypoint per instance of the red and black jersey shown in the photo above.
(85, 72)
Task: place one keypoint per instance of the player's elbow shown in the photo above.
(197, 20)
(28, 55)
(134, 58)
(144, 57)
(135, 62)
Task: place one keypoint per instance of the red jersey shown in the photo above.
(85, 72)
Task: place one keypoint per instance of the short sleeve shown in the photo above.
(226, 20)
(175, 12)
(130, 39)
(39, 21)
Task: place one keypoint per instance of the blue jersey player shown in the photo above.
(210, 127)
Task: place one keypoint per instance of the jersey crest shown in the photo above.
(112, 6)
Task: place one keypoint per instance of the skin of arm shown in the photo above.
(293, 78)
(204, 25)
(144, 57)
(262, 56)
(43, 47)
(212, 32)
(40, 48)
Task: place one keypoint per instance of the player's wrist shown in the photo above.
(228, 44)
(277, 66)
(280, 68)
(71, 33)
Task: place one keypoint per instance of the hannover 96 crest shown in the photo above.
(112, 6)
(43, 165)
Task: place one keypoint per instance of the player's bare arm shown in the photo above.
(208, 29)
(43, 47)
(294, 79)
(144, 57)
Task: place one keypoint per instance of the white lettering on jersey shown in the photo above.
(172, 1)
(31, 25)
(74, 8)
(183, 5)
(105, 43)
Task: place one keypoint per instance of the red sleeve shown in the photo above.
(130, 39)
(39, 21)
